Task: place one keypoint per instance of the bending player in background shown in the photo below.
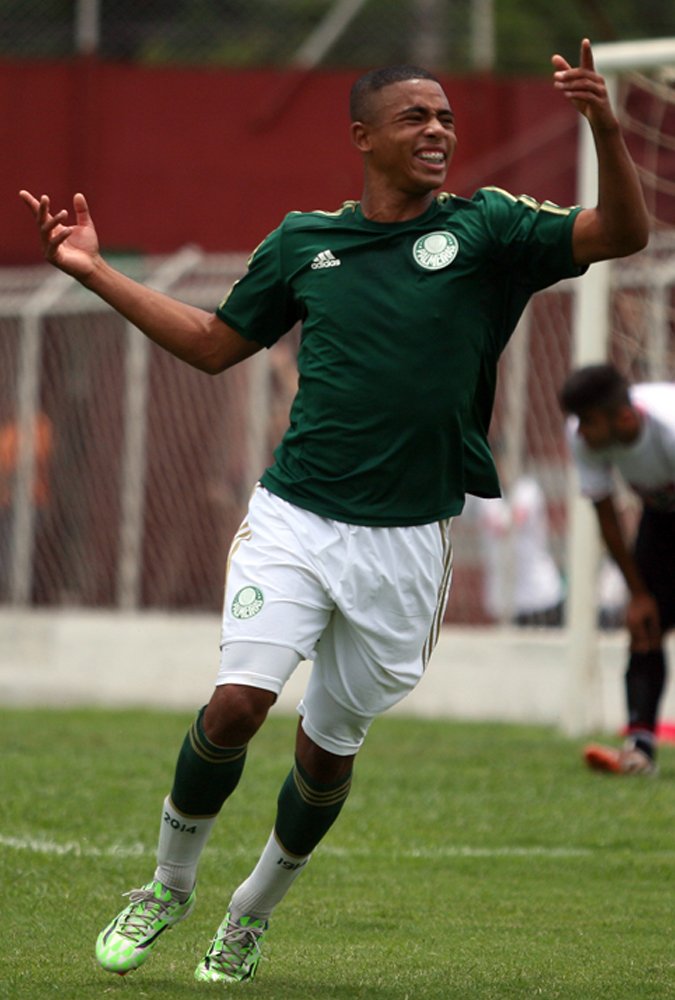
(407, 300)
(631, 430)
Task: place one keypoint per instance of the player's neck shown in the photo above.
(394, 206)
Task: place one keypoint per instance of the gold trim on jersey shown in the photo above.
(333, 214)
(346, 205)
(530, 202)
(236, 282)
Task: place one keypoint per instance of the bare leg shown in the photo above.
(235, 713)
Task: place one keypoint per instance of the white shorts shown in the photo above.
(365, 604)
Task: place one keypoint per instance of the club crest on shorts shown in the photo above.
(434, 251)
(247, 602)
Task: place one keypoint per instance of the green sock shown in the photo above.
(205, 773)
(306, 809)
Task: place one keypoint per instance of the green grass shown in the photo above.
(470, 861)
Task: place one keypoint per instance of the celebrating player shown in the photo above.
(407, 299)
(632, 430)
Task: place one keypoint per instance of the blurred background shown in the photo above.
(193, 127)
(457, 36)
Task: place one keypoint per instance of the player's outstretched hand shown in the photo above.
(72, 248)
(584, 87)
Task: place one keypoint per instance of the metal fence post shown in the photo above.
(135, 438)
(27, 409)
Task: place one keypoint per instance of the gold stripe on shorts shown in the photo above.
(244, 534)
(443, 591)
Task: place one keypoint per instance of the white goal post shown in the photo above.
(591, 344)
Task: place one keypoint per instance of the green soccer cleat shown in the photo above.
(130, 937)
(234, 953)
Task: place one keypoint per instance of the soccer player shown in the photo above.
(631, 429)
(407, 299)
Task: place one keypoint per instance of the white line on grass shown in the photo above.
(43, 845)
(458, 851)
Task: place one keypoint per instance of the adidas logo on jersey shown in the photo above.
(325, 259)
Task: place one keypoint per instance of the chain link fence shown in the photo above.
(250, 33)
(508, 36)
(124, 473)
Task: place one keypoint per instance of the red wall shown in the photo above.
(216, 157)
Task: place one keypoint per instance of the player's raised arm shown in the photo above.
(194, 335)
(619, 224)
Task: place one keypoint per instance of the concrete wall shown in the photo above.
(216, 157)
(92, 658)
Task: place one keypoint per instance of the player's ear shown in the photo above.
(361, 136)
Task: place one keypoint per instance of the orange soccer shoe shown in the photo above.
(628, 760)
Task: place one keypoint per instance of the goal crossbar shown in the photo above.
(613, 57)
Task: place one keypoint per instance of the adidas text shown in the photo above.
(325, 259)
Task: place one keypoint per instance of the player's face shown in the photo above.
(410, 136)
(597, 429)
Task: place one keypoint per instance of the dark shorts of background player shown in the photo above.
(655, 557)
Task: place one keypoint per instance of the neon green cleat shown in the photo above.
(234, 953)
(128, 940)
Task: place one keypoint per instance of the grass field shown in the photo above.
(471, 861)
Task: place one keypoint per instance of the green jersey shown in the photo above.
(402, 327)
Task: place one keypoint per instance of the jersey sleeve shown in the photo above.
(260, 305)
(533, 239)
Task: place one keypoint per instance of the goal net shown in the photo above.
(621, 310)
(624, 313)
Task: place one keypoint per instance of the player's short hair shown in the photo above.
(595, 387)
(373, 81)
